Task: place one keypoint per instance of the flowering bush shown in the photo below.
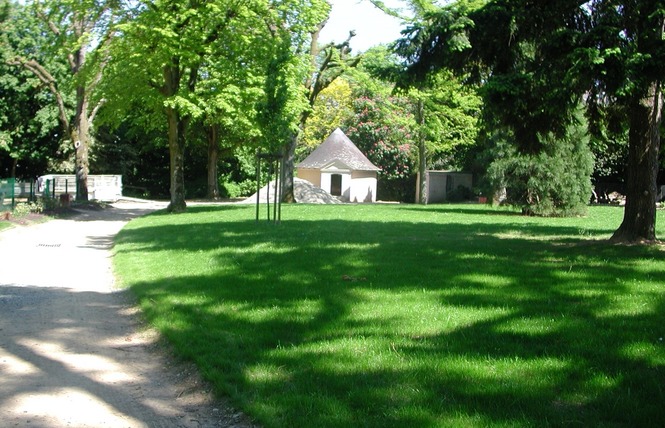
(382, 130)
(24, 208)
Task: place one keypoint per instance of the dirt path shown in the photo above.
(72, 350)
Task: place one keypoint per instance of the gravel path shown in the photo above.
(73, 352)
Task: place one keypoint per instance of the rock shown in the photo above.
(304, 192)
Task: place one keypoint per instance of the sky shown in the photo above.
(371, 25)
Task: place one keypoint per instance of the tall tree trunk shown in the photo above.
(177, 137)
(177, 128)
(80, 135)
(288, 192)
(213, 158)
(639, 221)
(422, 153)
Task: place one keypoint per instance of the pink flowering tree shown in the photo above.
(382, 128)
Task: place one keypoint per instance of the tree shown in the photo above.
(539, 61)
(446, 115)
(325, 64)
(445, 112)
(167, 50)
(28, 119)
(83, 30)
(553, 182)
(383, 128)
(228, 93)
(634, 53)
(332, 109)
(207, 62)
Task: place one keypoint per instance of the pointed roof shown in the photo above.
(338, 147)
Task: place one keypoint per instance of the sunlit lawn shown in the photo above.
(401, 315)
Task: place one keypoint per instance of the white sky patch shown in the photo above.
(372, 26)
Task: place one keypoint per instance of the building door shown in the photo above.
(336, 184)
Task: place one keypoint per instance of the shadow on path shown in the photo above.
(72, 350)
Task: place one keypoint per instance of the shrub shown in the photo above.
(24, 208)
(237, 190)
(554, 182)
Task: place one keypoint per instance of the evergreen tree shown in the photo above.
(555, 181)
(539, 61)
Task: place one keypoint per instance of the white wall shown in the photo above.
(357, 186)
(440, 183)
(363, 187)
(326, 178)
(105, 187)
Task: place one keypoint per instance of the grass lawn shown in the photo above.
(403, 315)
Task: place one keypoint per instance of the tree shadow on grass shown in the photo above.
(470, 209)
(339, 323)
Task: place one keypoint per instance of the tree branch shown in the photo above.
(99, 105)
(55, 30)
(47, 79)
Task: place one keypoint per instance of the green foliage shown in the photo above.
(29, 128)
(554, 182)
(537, 61)
(445, 111)
(22, 209)
(237, 67)
(454, 315)
(238, 178)
(332, 108)
(382, 129)
(238, 190)
(451, 115)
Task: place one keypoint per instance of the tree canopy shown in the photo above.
(195, 88)
(539, 61)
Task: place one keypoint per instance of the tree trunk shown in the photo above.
(177, 128)
(213, 158)
(422, 154)
(80, 134)
(177, 137)
(639, 221)
(288, 193)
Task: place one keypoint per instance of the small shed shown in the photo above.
(445, 185)
(340, 168)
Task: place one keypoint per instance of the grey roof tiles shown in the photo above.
(338, 148)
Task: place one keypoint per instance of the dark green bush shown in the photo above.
(553, 182)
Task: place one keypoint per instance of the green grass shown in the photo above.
(402, 315)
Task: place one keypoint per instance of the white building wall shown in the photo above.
(357, 186)
(363, 187)
(326, 182)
